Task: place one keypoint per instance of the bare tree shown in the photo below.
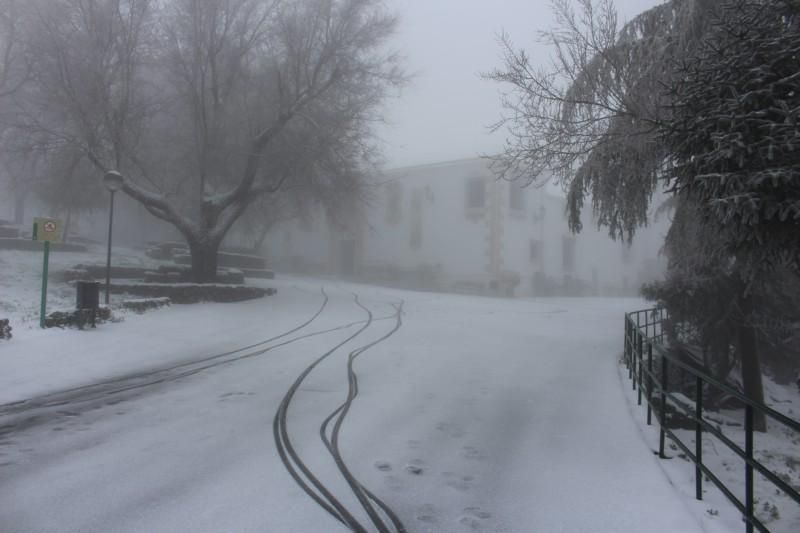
(14, 72)
(590, 117)
(14, 66)
(207, 106)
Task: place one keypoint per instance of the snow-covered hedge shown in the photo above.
(5, 329)
(78, 318)
(189, 293)
(145, 304)
(99, 272)
(228, 260)
(36, 246)
(258, 273)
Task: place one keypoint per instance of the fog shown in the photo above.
(445, 112)
(500, 239)
(399, 265)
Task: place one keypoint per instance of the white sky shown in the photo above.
(444, 113)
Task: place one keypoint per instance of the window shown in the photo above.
(536, 250)
(516, 196)
(476, 193)
(416, 219)
(394, 203)
(568, 253)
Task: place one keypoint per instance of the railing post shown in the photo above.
(748, 469)
(633, 363)
(638, 343)
(698, 438)
(649, 382)
(663, 420)
(641, 360)
(625, 347)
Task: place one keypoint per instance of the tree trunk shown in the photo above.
(204, 261)
(19, 209)
(751, 365)
(67, 222)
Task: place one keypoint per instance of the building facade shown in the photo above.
(454, 227)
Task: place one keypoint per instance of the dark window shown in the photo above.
(394, 201)
(476, 193)
(536, 250)
(416, 219)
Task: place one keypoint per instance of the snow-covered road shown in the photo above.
(477, 415)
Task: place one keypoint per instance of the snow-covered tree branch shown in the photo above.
(205, 106)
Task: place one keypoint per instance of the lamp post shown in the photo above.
(113, 181)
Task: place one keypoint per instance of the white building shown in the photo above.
(454, 227)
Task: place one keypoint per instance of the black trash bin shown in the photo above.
(87, 300)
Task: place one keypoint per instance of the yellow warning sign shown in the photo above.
(47, 229)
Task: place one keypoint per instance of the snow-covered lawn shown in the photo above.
(479, 414)
(778, 450)
(21, 280)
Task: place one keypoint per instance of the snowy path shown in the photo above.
(477, 415)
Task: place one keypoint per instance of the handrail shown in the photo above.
(644, 333)
(793, 424)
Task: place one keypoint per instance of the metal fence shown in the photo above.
(649, 366)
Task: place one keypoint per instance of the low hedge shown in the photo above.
(189, 293)
(5, 329)
(145, 304)
(243, 261)
(38, 246)
(78, 318)
(258, 273)
(9, 232)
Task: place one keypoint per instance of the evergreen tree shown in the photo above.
(734, 151)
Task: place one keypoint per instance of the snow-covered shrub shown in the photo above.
(5, 329)
(76, 319)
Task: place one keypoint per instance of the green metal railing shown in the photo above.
(645, 351)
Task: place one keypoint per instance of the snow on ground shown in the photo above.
(21, 280)
(38, 361)
(480, 414)
(778, 449)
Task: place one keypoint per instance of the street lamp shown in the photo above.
(113, 181)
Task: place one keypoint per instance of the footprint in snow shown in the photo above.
(395, 483)
(458, 482)
(428, 514)
(413, 444)
(453, 430)
(472, 453)
(415, 467)
(477, 512)
(383, 466)
(474, 518)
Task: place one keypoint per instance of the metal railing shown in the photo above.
(645, 351)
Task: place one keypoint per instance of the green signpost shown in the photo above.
(46, 230)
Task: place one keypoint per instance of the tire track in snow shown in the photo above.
(363, 494)
(300, 472)
(27, 413)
